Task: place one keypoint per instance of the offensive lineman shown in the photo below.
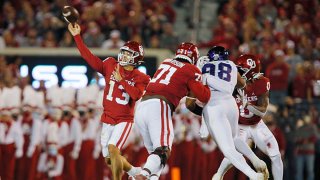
(124, 86)
(174, 79)
(253, 106)
(221, 112)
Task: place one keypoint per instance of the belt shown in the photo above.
(147, 97)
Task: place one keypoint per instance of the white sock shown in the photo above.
(153, 163)
(277, 167)
(134, 171)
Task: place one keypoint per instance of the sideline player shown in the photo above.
(174, 79)
(221, 112)
(124, 86)
(253, 106)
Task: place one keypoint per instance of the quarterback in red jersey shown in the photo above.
(174, 79)
(124, 86)
(253, 101)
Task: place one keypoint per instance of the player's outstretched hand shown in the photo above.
(74, 29)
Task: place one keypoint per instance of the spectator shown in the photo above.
(114, 42)
(154, 42)
(31, 40)
(305, 138)
(49, 40)
(267, 10)
(282, 20)
(168, 39)
(316, 50)
(278, 73)
(50, 164)
(67, 40)
(9, 39)
(292, 58)
(93, 37)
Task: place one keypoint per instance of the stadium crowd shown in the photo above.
(284, 34)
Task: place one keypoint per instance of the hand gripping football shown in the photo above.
(70, 14)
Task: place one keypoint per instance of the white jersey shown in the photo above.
(221, 77)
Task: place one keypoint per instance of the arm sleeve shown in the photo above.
(57, 171)
(42, 163)
(35, 135)
(201, 92)
(19, 140)
(77, 136)
(135, 92)
(91, 59)
(97, 146)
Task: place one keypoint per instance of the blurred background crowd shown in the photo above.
(284, 34)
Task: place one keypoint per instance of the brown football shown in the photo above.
(70, 14)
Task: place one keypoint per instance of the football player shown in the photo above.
(253, 102)
(124, 86)
(174, 79)
(221, 112)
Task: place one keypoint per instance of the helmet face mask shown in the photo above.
(217, 53)
(126, 57)
(131, 54)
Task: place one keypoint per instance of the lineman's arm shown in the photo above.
(192, 105)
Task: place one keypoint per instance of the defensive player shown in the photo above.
(174, 79)
(253, 106)
(221, 112)
(124, 86)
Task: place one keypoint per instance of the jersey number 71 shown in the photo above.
(165, 69)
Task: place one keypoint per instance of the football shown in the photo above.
(70, 14)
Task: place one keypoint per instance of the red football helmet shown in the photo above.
(248, 66)
(131, 53)
(188, 51)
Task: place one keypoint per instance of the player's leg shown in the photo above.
(226, 164)
(118, 137)
(219, 127)
(268, 144)
(161, 132)
(223, 168)
(106, 131)
(144, 113)
(241, 145)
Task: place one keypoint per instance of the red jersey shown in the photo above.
(253, 91)
(119, 97)
(174, 79)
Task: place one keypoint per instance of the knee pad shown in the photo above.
(163, 152)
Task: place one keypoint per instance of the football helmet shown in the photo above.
(131, 53)
(248, 66)
(202, 61)
(218, 53)
(188, 51)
